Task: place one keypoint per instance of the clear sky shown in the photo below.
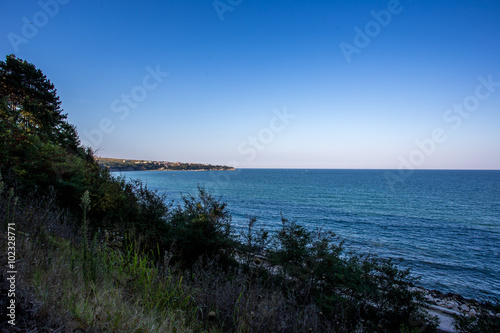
(275, 83)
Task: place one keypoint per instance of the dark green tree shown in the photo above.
(40, 153)
(30, 103)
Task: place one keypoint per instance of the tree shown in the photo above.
(39, 149)
(31, 103)
(40, 153)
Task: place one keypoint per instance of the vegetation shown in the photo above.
(100, 254)
(71, 281)
(115, 164)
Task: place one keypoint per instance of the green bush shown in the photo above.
(352, 290)
(254, 244)
(202, 227)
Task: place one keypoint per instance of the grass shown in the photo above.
(94, 286)
(119, 299)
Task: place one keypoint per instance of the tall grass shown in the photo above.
(91, 286)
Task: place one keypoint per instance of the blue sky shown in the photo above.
(272, 84)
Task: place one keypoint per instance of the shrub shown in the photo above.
(201, 228)
(254, 244)
(353, 291)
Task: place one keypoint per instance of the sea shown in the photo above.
(444, 225)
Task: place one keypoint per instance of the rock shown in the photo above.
(464, 307)
(212, 316)
(431, 300)
(472, 313)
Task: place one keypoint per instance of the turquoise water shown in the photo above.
(444, 225)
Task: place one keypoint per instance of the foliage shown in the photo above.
(40, 152)
(254, 244)
(106, 290)
(350, 289)
(202, 227)
(31, 103)
(39, 149)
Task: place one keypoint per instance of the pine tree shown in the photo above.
(31, 104)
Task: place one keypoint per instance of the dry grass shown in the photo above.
(241, 301)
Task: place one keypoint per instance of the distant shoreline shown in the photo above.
(117, 165)
(197, 170)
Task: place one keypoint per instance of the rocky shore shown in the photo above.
(446, 306)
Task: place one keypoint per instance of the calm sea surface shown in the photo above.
(444, 225)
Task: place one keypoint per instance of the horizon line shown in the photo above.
(315, 168)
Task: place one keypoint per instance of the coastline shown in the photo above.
(195, 170)
(448, 306)
(122, 165)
